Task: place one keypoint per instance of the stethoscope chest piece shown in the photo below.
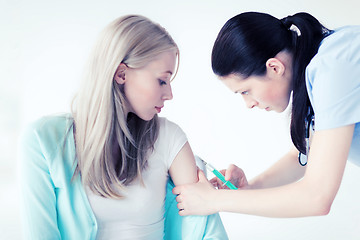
(309, 123)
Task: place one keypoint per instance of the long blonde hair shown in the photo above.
(112, 148)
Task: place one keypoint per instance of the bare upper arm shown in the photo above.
(183, 170)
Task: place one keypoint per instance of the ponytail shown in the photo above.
(311, 32)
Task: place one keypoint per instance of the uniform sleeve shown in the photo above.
(335, 92)
(37, 189)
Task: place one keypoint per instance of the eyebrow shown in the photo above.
(168, 72)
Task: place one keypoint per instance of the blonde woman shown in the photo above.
(101, 171)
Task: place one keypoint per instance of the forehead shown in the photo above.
(233, 82)
(163, 63)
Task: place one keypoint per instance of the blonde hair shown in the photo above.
(112, 148)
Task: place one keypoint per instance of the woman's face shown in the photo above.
(147, 88)
(268, 92)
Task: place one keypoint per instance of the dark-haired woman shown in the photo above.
(265, 59)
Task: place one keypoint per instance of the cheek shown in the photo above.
(134, 93)
(139, 92)
(275, 94)
(277, 98)
(267, 96)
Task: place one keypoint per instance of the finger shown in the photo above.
(180, 206)
(229, 171)
(176, 190)
(178, 199)
(224, 186)
(183, 213)
(215, 183)
(218, 183)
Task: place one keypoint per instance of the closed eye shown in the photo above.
(162, 82)
(243, 93)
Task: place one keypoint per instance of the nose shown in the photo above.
(167, 95)
(250, 102)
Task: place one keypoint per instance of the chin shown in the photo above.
(147, 118)
(281, 109)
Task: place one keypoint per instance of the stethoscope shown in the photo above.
(309, 123)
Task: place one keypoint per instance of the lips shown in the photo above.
(158, 109)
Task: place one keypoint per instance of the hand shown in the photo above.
(235, 175)
(197, 198)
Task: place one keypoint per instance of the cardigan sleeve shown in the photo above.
(39, 215)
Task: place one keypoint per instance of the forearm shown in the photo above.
(286, 170)
(293, 200)
(312, 195)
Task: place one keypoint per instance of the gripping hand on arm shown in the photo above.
(184, 171)
(199, 197)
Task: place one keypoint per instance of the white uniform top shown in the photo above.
(140, 215)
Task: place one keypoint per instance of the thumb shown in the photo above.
(202, 177)
(229, 172)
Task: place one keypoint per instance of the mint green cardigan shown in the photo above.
(56, 207)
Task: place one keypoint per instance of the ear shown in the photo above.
(275, 66)
(119, 76)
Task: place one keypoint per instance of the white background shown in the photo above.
(43, 47)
